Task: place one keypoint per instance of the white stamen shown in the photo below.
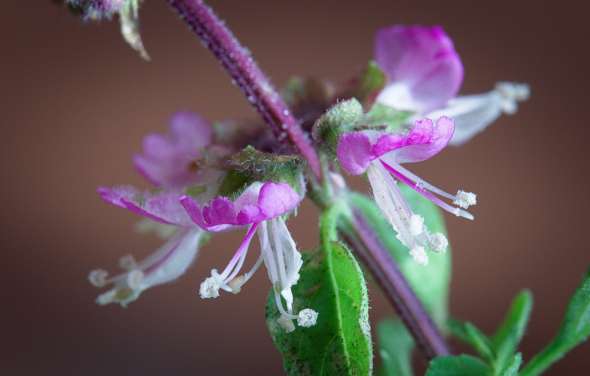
(236, 284)
(98, 277)
(127, 262)
(210, 287)
(307, 317)
(474, 113)
(419, 255)
(134, 279)
(465, 199)
(416, 224)
(286, 323)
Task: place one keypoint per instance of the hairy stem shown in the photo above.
(359, 235)
(240, 65)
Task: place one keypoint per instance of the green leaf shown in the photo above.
(461, 365)
(387, 118)
(430, 282)
(331, 283)
(468, 333)
(510, 332)
(395, 348)
(513, 366)
(574, 330)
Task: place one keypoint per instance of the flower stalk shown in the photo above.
(240, 65)
(242, 68)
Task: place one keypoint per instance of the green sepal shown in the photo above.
(461, 365)
(332, 284)
(251, 165)
(386, 118)
(340, 118)
(302, 92)
(395, 348)
(371, 82)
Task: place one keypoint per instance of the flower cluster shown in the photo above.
(194, 190)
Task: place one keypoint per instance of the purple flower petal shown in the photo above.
(171, 160)
(354, 152)
(162, 207)
(259, 202)
(423, 67)
(424, 140)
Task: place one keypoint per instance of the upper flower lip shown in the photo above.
(166, 159)
(259, 202)
(424, 69)
(424, 140)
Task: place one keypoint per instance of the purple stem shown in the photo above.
(376, 257)
(240, 65)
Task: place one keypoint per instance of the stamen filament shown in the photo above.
(418, 187)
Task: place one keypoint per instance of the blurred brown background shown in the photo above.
(76, 102)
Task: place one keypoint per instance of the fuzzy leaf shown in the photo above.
(331, 283)
(395, 348)
(461, 365)
(510, 332)
(513, 366)
(430, 282)
(574, 330)
(468, 333)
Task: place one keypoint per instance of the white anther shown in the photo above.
(465, 199)
(416, 224)
(127, 262)
(438, 242)
(286, 323)
(98, 277)
(307, 317)
(210, 286)
(419, 255)
(107, 297)
(134, 279)
(236, 284)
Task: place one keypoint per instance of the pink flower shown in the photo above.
(173, 162)
(261, 207)
(381, 155)
(165, 264)
(422, 66)
(425, 74)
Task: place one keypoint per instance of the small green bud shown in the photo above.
(340, 118)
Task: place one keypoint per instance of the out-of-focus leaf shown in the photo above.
(395, 348)
(574, 330)
(510, 332)
(468, 333)
(513, 366)
(461, 365)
